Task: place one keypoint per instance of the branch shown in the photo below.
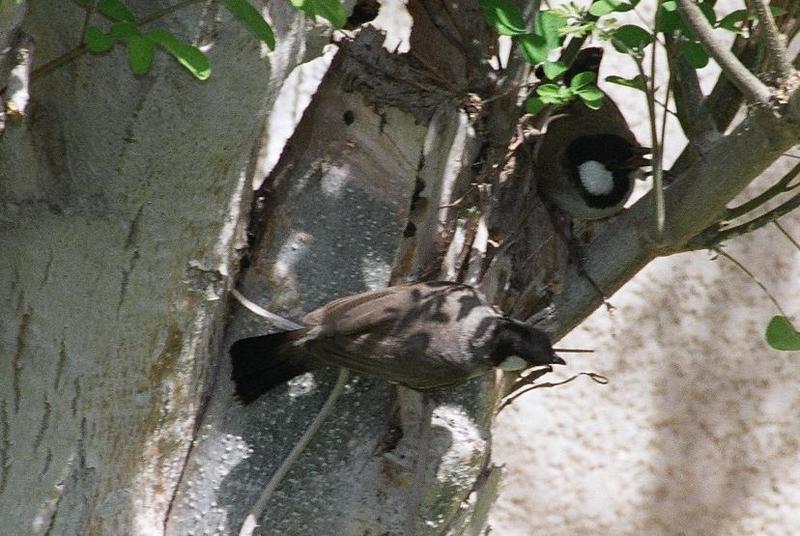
(776, 189)
(692, 111)
(695, 200)
(776, 48)
(750, 86)
(725, 100)
(713, 237)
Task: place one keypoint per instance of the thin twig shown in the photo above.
(750, 86)
(752, 276)
(87, 16)
(794, 242)
(80, 50)
(659, 214)
(776, 48)
(250, 522)
(776, 189)
(713, 236)
(518, 392)
(693, 112)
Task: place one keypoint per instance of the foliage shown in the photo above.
(141, 46)
(781, 335)
(550, 41)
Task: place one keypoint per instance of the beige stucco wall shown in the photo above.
(697, 432)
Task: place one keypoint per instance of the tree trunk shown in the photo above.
(120, 211)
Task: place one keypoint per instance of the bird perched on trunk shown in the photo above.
(587, 160)
(422, 335)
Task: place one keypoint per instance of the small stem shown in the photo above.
(89, 11)
(81, 49)
(773, 40)
(713, 236)
(752, 276)
(54, 64)
(750, 86)
(658, 190)
(251, 521)
(787, 235)
(774, 190)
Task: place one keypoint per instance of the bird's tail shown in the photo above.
(263, 362)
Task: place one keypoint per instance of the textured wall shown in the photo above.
(698, 431)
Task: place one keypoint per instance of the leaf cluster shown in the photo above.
(141, 45)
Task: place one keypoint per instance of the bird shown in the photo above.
(597, 176)
(424, 336)
(587, 160)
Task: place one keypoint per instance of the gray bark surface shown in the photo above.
(120, 197)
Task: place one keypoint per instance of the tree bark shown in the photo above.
(121, 200)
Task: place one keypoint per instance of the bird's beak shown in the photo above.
(556, 360)
(638, 159)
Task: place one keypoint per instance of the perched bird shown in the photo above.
(596, 176)
(587, 160)
(422, 335)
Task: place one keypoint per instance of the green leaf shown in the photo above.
(331, 10)
(140, 53)
(554, 69)
(97, 41)
(707, 8)
(600, 8)
(589, 93)
(781, 335)
(631, 38)
(733, 20)
(669, 20)
(192, 58)
(115, 10)
(604, 7)
(548, 24)
(504, 16)
(534, 105)
(123, 31)
(534, 48)
(554, 94)
(594, 104)
(694, 54)
(252, 20)
(582, 79)
(638, 82)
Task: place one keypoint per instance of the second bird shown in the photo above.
(423, 335)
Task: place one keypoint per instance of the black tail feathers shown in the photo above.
(261, 363)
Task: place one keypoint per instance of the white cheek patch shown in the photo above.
(513, 364)
(596, 178)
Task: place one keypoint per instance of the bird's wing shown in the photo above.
(375, 310)
(388, 333)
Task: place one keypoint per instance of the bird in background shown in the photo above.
(597, 176)
(588, 160)
(421, 335)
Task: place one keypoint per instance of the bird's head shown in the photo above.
(604, 166)
(519, 345)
